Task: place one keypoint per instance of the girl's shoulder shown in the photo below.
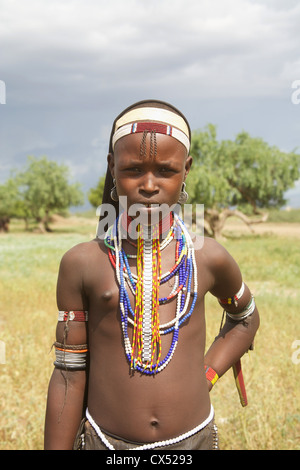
(210, 252)
(83, 253)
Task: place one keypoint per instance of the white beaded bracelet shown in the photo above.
(245, 313)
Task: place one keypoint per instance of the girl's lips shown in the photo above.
(147, 205)
(150, 207)
(155, 209)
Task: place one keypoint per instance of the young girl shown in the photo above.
(130, 338)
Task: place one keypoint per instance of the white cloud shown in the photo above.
(54, 50)
(71, 65)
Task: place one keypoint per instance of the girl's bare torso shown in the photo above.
(125, 402)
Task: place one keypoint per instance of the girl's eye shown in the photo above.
(166, 170)
(133, 169)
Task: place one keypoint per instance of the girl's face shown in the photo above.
(149, 180)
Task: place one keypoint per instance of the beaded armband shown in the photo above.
(248, 310)
(73, 315)
(70, 357)
(234, 299)
(211, 375)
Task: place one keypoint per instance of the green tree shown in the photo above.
(44, 189)
(95, 194)
(9, 199)
(239, 178)
(9, 203)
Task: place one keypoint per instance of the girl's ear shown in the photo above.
(111, 164)
(188, 164)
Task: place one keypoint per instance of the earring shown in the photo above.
(113, 194)
(183, 195)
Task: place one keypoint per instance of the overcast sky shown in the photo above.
(70, 66)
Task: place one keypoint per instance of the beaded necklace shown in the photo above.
(144, 353)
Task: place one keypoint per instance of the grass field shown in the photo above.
(270, 262)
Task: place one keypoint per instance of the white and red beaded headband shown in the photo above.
(150, 119)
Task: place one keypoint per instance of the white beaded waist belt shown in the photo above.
(153, 445)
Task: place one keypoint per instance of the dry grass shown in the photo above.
(271, 264)
(271, 421)
(28, 317)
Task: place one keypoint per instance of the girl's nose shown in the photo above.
(149, 185)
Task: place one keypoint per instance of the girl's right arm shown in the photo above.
(67, 387)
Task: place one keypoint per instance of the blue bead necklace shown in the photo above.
(184, 291)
